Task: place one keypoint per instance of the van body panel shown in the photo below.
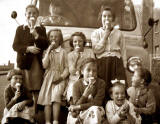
(133, 38)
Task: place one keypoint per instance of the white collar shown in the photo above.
(85, 83)
(116, 27)
(58, 49)
(26, 25)
(116, 107)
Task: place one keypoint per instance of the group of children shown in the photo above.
(87, 98)
(74, 76)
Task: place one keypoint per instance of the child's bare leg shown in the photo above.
(47, 111)
(35, 98)
(56, 111)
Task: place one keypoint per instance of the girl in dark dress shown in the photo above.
(109, 47)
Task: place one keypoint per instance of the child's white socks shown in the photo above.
(48, 122)
(55, 122)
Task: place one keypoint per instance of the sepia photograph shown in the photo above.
(80, 62)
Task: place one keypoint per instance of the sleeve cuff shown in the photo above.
(99, 45)
(36, 37)
(27, 51)
(117, 117)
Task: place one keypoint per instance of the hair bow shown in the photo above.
(116, 80)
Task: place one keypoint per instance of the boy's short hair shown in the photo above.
(12, 73)
(144, 74)
(59, 31)
(81, 34)
(32, 6)
(106, 8)
(88, 60)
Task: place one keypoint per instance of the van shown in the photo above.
(81, 15)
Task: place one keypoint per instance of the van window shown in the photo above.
(85, 13)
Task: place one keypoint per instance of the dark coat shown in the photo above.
(23, 39)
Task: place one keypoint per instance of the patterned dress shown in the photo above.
(56, 67)
(93, 115)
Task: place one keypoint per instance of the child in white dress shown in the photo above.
(55, 63)
(119, 110)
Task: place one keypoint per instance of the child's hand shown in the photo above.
(137, 110)
(126, 108)
(108, 26)
(123, 111)
(131, 118)
(88, 90)
(33, 49)
(92, 80)
(21, 106)
(17, 95)
(73, 108)
(122, 115)
(51, 46)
